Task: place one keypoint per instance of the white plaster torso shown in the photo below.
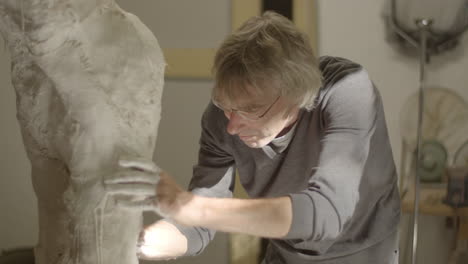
(89, 79)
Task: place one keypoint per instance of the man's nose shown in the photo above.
(235, 123)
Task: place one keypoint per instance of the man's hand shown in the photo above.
(140, 185)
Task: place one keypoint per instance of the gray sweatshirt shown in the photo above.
(336, 165)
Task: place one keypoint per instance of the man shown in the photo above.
(309, 141)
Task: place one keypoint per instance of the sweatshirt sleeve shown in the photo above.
(348, 111)
(213, 176)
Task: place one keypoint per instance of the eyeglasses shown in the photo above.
(247, 115)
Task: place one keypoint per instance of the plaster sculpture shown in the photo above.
(88, 78)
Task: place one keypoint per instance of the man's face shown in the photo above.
(270, 119)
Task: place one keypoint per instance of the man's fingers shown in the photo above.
(135, 189)
(129, 176)
(139, 164)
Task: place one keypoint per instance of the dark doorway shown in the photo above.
(283, 7)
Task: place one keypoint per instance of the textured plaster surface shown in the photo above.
(88, 79)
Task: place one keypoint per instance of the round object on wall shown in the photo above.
(445, 119)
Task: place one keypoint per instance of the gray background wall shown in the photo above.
(352, 29)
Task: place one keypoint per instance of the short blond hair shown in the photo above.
(269, 54)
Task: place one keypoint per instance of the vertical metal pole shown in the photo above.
(423, 25)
